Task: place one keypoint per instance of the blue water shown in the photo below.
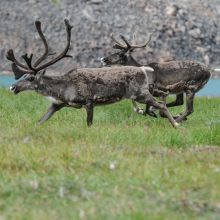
(212, 88)
(7, 80)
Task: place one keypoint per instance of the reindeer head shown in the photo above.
(31, 72)
(124, 56)
(30, 82)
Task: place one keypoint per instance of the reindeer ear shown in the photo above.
(17, 72)
(41, 73)
(130, 51)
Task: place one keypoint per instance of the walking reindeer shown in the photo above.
(82, 88)
(175, 77)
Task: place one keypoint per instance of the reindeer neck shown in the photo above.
(133, 62)
(50, 86)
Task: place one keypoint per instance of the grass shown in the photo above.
(122, 167)
(57, 2)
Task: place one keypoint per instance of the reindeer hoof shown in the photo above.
(153, 114)
(140, 111)
(176, 124)
(185, 119)
(153, 109)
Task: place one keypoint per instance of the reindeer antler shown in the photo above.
(46, 52)
(10, 56)
(134, 39)
(33, 69)
(62, 54)
(119, 44)
(128, 46)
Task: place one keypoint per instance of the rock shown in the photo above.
(194, 33)
(200, 50)
(180, 31)
(87, 15)
(217, 39)
(171, 10)
(169, 33)
(206, 59)
(95, 1)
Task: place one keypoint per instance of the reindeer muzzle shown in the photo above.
(103, 61)
(14, 89)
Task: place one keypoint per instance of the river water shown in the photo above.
(212, 88)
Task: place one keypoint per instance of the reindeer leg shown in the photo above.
(148, 99)
(141, 111)
(177, 102)
(161, 94)
(137, 109)
(149, 110)
(163, 99)
(189, 105)
(151, 88)
(89, 109)
(50, 111)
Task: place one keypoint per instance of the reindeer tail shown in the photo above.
(215, 70)
(147, 68)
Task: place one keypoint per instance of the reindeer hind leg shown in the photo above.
(150, 100)
(189, 105)
(89, 109)
(163, 99)
(149, 110)
(138, 109)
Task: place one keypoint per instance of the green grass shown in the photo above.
(61, 169)
(56, 2)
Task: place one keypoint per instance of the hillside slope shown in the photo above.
(181, 31)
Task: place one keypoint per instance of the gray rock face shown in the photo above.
(182, 30)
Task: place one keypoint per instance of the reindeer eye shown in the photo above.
(30, 78)
(121, 54)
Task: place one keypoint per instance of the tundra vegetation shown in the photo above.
(123, 167)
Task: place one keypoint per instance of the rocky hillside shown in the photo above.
(182, 30)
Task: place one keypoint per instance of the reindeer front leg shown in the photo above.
(50, 111)
(163, 99)
(89, 109)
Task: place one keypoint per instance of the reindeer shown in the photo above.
(174, 77)
(82, 88)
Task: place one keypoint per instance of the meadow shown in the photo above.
(126, 166)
